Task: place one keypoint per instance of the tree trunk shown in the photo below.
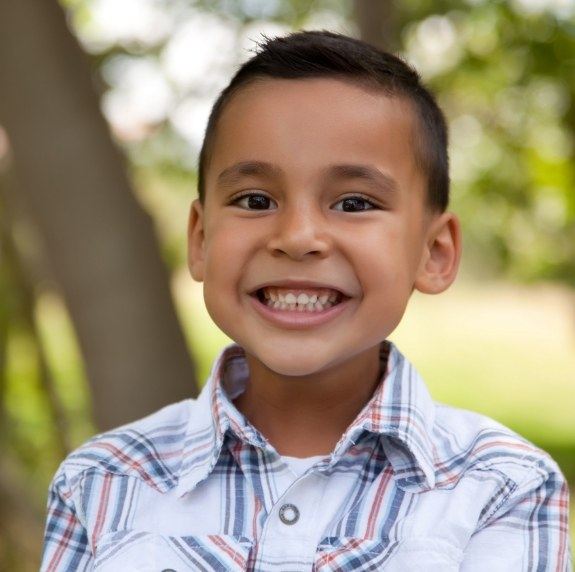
(21, 518)
(100, 242)
(376, 23)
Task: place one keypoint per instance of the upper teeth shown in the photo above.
(316, 299)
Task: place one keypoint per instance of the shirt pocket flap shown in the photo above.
(141, 551)
(339, 553)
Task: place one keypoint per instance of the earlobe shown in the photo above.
(441, 258)
(196, 241)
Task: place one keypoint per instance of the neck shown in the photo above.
(307, 415)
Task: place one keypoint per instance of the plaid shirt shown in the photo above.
(411, 485)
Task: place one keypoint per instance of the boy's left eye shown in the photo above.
(355, 204)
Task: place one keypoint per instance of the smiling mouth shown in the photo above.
(312, 300)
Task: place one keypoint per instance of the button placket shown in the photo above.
(279, 539)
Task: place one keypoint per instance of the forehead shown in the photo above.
(303, 126)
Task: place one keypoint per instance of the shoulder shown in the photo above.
(150, 449)
(500, 471)
(470, 444)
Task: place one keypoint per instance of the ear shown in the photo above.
(196, 241)
(440, 260)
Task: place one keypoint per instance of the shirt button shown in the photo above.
(168, 570)
(289, 514)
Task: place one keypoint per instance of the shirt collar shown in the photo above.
(213, 417)
(400, 411)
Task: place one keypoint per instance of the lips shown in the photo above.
(296, 304)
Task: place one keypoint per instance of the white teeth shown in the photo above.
(309, 306)
(302, 298)
(301, 302)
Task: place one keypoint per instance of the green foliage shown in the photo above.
(509, 90)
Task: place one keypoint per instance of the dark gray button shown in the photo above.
(168, 570)
(289, 514)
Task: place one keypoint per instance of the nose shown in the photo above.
(299, 231)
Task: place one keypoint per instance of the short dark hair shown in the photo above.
(323, 54)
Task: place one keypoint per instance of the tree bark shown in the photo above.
(100, 242)
(376, 23)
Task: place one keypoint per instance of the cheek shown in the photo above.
(224, 250)
(383, 258)
(221, 292)
(226, 257)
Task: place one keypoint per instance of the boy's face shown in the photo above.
(311, 153)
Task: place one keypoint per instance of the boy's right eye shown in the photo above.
(253, 202)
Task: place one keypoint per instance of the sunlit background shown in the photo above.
(500, 342)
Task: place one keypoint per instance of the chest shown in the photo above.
(354, 518)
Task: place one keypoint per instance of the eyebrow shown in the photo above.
(235, 172)
(367, 173)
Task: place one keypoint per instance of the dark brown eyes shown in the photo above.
(261, 202)
(355, 204)
(254, 202)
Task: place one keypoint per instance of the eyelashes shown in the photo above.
(357, 200)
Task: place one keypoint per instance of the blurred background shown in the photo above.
(103, 105)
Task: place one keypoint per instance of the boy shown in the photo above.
(314, 445)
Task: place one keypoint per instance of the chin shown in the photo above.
(283, 363)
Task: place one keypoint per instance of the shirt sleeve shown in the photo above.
(528, 530)
(66, 545)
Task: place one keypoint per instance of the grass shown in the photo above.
(504, 351)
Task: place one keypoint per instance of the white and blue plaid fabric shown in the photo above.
(411, 486)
